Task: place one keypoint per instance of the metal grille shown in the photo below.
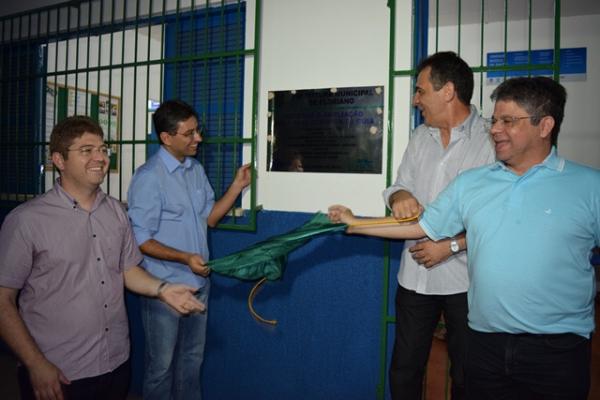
(116, 60)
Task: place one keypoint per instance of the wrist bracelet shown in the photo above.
(161, 287)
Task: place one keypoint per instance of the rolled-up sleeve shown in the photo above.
(145, 206)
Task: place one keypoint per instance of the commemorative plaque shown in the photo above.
(336, 130)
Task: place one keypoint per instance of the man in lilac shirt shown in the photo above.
(170, 205)
(67, 255)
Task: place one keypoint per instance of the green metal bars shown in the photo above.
(110, 59)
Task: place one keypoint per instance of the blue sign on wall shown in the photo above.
(573, 63)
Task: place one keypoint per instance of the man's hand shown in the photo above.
(243, 176)
(46, 379)
(338, 213)
(198, 265)
(404, 205)
(44, 376)
(181, 298)
(429, 253)
(242, 179)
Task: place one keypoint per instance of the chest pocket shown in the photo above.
(200, 203)
(172, 211)
(112, 246)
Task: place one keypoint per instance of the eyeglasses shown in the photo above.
(190, 134)
(87, 151)
(506, 121)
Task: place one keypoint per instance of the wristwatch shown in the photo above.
(454, 247)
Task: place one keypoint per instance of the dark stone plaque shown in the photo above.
(326, 130)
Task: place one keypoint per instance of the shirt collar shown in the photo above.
(467, 126)
(171, 162)
(463, 129)
(553, 161)
(70, 201)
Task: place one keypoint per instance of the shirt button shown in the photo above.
(106, 306)
(105, 329)
(98, 259)
(94, 235)
(102, 282)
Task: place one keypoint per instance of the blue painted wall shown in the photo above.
(328, 305)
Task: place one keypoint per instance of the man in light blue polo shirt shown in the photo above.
(170, 205)
(532, 220)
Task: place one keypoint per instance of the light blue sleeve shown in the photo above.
(145, 205)
(443, 217)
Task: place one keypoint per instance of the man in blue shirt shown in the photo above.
(532, 220)
(171, 203)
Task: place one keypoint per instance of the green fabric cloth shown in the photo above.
(267, 258)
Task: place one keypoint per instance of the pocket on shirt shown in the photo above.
(200, 202)
(172, 212)
(113, 249)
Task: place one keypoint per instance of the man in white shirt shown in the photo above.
(433, 275)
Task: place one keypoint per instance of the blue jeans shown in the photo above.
(174, 350)
(502, 366)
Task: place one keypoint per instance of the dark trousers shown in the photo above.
(417, 316)
(110, 386)
(527, 367)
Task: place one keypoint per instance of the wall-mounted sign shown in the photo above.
(573, 63)
(326, 130)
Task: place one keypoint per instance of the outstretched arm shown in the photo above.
(224, 204)
(180, 297)
(46, 378)
(374, 226)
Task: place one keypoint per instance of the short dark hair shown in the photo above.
(540, 96)
(167, 117)
(447, 66)
(66, 131)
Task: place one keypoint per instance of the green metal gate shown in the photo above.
(116, 60)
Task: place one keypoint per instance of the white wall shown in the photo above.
(579, 139)
(321, 44)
